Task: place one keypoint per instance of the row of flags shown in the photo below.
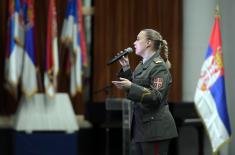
(20, 64)
(210, 97)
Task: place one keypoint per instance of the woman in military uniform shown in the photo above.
(152, 125)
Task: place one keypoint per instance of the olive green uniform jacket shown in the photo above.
(151, 118)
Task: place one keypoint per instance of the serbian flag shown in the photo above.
(29, 74)
(210, 96)
(19, 30)
(14, 51)
(71, 37)
(67, 28)
(52, 61)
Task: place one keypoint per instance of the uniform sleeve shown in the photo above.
(156, 91)
(125, 74)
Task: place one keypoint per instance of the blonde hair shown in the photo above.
(158, 43)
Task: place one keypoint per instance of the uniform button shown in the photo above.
(152, 118)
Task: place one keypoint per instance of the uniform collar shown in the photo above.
(148, 62)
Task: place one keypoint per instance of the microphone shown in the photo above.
(120, 55)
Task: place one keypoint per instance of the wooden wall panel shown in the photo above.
(116, 25)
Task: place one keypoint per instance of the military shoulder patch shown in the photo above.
(158, 82)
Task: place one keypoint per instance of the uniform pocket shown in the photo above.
(148, 119)
(157, 116)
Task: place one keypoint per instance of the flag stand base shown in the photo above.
(43, 113)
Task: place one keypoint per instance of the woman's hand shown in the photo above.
(123, 84)
(124, 61)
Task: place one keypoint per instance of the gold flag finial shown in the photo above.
(217, 10)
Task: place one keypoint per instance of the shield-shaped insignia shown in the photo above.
(158, 82)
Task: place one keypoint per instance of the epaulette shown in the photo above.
(157, 61)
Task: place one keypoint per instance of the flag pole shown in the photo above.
(217, 13)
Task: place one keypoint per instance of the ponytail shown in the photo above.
(164, 48)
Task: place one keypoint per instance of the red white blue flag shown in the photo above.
(73, 37)
(29, 72)
(82, 33)
(210, 96)
(52, 60)
(14, 52)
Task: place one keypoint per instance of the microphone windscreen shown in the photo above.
(120, 55)
(129, 50)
